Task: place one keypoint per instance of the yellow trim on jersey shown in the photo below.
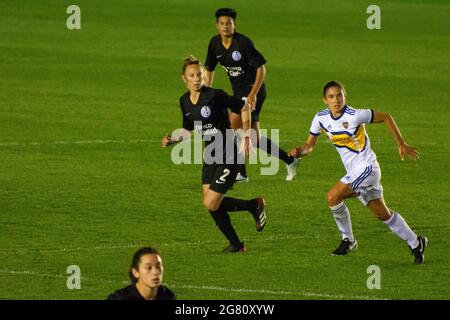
(356, 143)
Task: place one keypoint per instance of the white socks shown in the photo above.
(396, 223)
(342, 217)
(399, 226)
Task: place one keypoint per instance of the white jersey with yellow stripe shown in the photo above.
(348, 134)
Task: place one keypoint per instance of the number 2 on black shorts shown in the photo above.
(226, 172)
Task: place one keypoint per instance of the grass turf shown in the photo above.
(85, 182)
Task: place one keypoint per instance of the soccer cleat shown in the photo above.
(260, 214)
(235, 249)
(292, 169)
(345, 247)
(418, 251)
(241, 178)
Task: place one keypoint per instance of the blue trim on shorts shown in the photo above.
(362, 177)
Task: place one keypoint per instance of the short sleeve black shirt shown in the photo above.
(240, 60)
(132, 293)
(209, 116)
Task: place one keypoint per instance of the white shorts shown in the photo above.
(365, 180)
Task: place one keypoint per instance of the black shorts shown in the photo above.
(220, 177)
(243, 91)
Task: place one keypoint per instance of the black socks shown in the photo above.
(268, 146)
(233, 204)
(223, 222)
(222, 218)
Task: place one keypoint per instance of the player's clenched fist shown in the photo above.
(166, 140)
(295, 152)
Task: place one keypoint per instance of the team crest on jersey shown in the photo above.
(236, 55)
(205, 111)
(345, 124)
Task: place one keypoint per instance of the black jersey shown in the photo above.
(240, 60)
(209, 117)
(132, 293)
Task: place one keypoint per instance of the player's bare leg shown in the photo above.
(338, 193)
(211, 198)
(255, 127)
(236, 124)
(235, 121)
(379, 209)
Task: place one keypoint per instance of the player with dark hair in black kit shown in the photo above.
(205, 110)
(146, 273)
(246, 71)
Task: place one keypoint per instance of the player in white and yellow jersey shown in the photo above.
(345, 127)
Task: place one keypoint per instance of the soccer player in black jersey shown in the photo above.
(146, 273)
(246, 71)
(205, 110)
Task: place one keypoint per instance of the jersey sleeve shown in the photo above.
(211, 59)
(226, 101)
(187, 124)
(315, 126)
(165, 293)
(255, 58)
(364, 116)
(121, 294)
(113, 296)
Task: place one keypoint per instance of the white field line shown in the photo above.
(138, 245)
(96, 141)
(6, 144)
(210, 288)
(280, 292)
(49, 275)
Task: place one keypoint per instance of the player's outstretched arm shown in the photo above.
(404, 149)
(305, 149)
(168, 140)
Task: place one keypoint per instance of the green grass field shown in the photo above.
(84, 181)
